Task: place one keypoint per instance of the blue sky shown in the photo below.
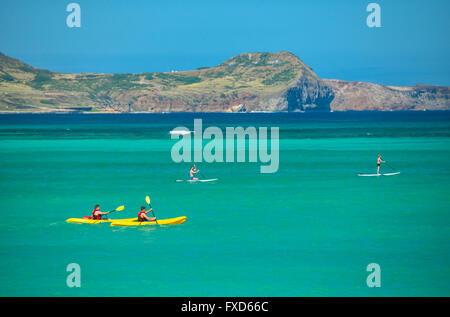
(331, 36)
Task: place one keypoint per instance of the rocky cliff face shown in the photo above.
(247, 82)
(367, 96)
(309, 94)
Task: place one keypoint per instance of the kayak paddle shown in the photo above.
(120, 208)
(147, 199)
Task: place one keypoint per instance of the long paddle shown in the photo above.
(201, 173)
(147, 199)
(390, 166)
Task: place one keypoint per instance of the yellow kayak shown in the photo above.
(135, 222)
(92, 221)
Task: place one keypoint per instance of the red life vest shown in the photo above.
(96, 217)
(140, 218)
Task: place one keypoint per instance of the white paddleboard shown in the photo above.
(198, 180)
(385, 174)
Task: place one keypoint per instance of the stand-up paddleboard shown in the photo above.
(385, 174)
(197, 180)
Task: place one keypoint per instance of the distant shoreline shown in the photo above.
(212, 112)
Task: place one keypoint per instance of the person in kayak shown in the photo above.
(192, 173)
(142, 215)
(379, 161)
(97, 214)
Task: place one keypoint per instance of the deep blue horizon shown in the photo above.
(332, 37)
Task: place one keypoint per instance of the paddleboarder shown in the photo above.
(192, 173)
(379, 161)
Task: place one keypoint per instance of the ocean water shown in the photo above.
(310, 229)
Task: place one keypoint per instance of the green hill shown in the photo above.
(247, 82)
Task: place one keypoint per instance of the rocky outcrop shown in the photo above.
(357, 96)
(309, 94)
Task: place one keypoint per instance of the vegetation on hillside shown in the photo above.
(246, 77)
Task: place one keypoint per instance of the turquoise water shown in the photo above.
(308, 230)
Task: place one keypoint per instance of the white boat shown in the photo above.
(180, 132)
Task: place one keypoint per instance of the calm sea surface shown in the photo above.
(310, 229)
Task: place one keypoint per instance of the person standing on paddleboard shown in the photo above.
(142, 215)
(192, 172)
(97, 214)
(379, 161)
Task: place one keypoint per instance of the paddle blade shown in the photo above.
(120, 208)
(147, 199)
